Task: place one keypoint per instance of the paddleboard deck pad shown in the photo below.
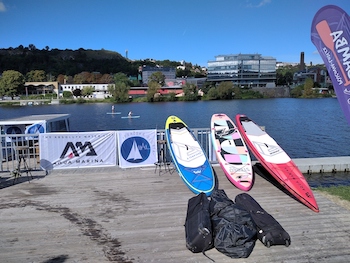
(231, 152)
(276, 161)
(188, 157)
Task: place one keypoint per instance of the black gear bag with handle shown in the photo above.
(269, 231)
(198, 228)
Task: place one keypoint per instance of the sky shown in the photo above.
(191, 30)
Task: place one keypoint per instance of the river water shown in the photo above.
(304, 128)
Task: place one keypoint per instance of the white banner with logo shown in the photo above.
(35, 128)
(137, 148)
(77, 150)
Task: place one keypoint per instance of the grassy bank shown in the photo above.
(343, 192)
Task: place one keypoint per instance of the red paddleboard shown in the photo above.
(276, 161)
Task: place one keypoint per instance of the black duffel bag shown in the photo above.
(198, 227)
(233, 228)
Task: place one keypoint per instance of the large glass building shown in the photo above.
(147, 71)
(249, 70)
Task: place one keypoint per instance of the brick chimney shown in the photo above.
(302, 63)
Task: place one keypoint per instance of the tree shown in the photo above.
(153, 88)
(225, 90)
(207, 86)
(87, 91)
(36, 76)
(284, 75)
(308, 85)
(83, 78)
(212, 94)
(157, 77)
(121, 77)
(77, 92)
(120, 90)
(11, 83)
(190, 92)
(61, 78)
(106, 78)
(67, 94)
(237, 92)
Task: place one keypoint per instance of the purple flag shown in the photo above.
(330, 34)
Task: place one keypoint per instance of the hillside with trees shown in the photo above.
(69, 63)
(29, 64)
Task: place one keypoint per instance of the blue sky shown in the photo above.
(192, 30)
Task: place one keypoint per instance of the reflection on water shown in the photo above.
(328, 179)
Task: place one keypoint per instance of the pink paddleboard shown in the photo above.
(231, 152)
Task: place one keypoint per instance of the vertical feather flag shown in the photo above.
(330, 33)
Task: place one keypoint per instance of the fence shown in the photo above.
(17, 146)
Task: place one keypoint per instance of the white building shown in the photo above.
(100, 90)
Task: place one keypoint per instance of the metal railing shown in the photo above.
(15, 145)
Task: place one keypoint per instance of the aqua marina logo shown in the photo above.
(135, 149)
(78, 146)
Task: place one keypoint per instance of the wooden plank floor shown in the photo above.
(135, 215)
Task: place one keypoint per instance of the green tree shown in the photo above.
(190, 92)
(297, 92)
(153, 88)
(87, 91)
(284, 75)
(67, 94)
(212, 94)
(11, 83)
(225, 90)
(157, 77)
(36, 76)
(120, 90)
(237, 92)
(308, 85)
(121, 77)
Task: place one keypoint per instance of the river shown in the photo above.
(304, 128)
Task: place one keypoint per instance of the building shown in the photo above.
(100, 90)
(147, 71)
(35, 88)
(248, 70)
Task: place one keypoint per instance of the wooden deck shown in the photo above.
(135, 215)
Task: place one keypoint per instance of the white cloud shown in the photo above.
(2, 7)
(259, 4)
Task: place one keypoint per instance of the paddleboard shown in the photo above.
(231, 152)
(113, 113)
(188, 156)
(131, 117)
(276, 161)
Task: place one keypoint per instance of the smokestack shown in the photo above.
(126, 53)
(302, 63)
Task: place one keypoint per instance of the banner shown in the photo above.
(137, 148)
(14, 129)
(35, 128)
(330, 34)
(77, 150)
